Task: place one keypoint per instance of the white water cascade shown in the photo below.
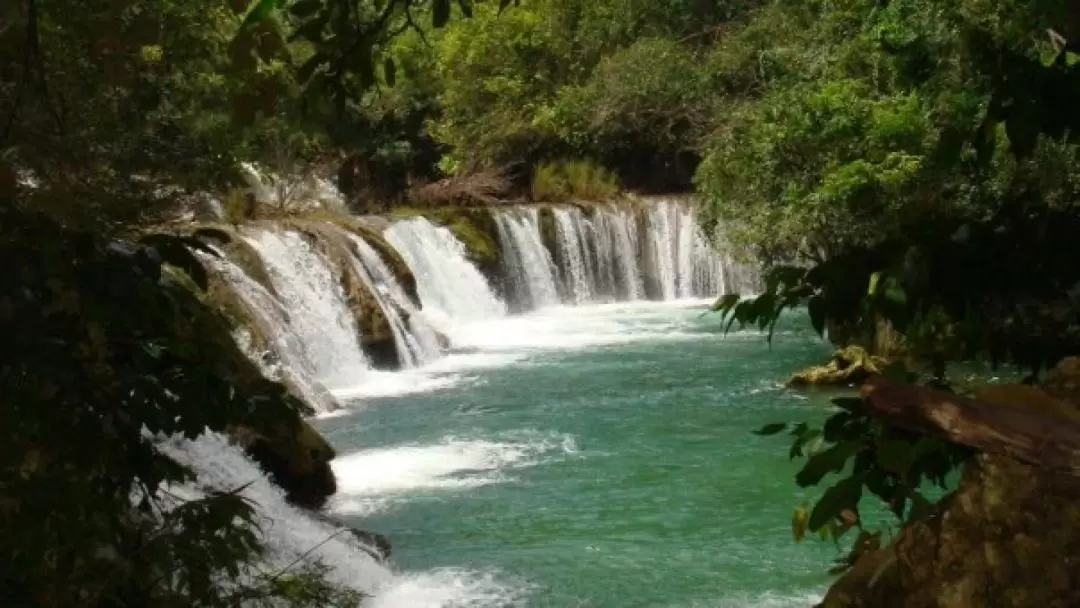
(311, 293)
(417, 342)
(613, 253)
(288, 360)
(529, 272)
(572, 255)
(291, 534)
(451, 289)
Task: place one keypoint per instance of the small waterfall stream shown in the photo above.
(417, 342)
(528, 269)
(451, 288)
(311, 292)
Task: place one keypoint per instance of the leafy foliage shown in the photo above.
(104, 352)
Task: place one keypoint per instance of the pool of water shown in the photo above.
(590, 456)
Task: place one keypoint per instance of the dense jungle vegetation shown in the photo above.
(901, 161)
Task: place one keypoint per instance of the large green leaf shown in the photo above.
(829, 461)
(843, 496)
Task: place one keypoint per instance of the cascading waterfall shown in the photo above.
(451, 289)
(616, 230)
(291, 534)
(312, 294)
(613, 254)
(417, 342)
(529, 270)
(288, 360)
(573, 256)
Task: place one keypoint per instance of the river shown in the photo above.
(597, 455)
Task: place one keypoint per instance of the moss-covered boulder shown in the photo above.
(1008, 536)
(291, 451)
(295, 456)
(848, 366)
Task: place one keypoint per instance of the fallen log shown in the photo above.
(1037, 436)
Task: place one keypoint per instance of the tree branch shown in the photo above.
(1036, 436)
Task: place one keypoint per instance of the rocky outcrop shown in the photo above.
(292, 452)
(848, 366)
(295, 456)
(1007, 536)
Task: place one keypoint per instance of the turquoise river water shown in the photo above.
(589, 457)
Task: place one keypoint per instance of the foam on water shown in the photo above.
(369, 479)
(451, 588)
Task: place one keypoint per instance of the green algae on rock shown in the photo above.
(847, 366)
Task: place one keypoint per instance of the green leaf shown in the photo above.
(725, 302)
(389, 71)
(874, 280)
(312, 31)
(812, 437)
(304, 72)
(505, 3)
(771, 429)
(816, 308)
(440, 13)
(831, 460)
(259, 12)
(305, 8)
(894, 455)
(844, 495)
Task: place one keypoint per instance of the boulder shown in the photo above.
(848, 366)
(295, 457)
(1008, 536)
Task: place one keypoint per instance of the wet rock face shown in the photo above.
(296, 459)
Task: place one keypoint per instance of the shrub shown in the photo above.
(573, 180)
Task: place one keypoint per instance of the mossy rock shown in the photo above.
(295, 455)
(848, 366)
(1008, 536)
(368, 230)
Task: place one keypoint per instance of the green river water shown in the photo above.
(594, 456)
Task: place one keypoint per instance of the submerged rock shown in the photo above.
(848, 366)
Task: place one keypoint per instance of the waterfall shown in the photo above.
(572, 255)
(288, 360)
(661, 250)
(617, 243)
(291, 534)
(529, 270)
(450, 287)
(310, 291)
(416, 340)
